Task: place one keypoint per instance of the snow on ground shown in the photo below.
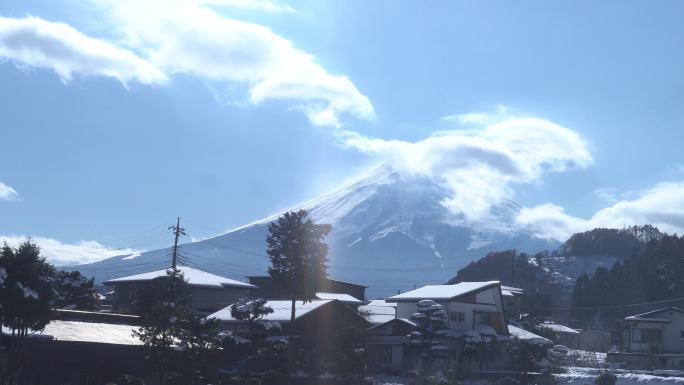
(582, 376)
(584, 358)
(574, 376)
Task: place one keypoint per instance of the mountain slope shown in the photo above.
(390, 232)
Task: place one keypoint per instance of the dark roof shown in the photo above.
(329, 279)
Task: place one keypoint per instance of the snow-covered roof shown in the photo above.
(528, 336)
(649, 316)
(558, 328)
(406, 321)
(381, 302)
(442, 292)
(281, 310)
(342, 297)
(78, 331)
(378, 314)
(510, 291)
(194, 277)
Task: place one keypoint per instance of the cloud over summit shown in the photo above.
(482, 166)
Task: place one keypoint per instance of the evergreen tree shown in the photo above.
(162, 309)
(429, 336)
(252, 312)
(27, 298)
(198, 338)
(75, 291)
(298, 256)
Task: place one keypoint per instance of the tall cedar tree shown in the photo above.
(162, 308)
(299, 260)
(27, 298)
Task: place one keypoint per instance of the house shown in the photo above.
(267, 287)
(321, 327)
(563, 335)
(320, 316)
(387, 344)
(210, 292)
(474, 313)
(512, 297)
(655, 340)
(468, 305)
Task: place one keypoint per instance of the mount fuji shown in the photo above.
(391, 232)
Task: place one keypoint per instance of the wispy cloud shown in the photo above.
(7, 192)
(480, 167)
(157, 38)
(192, 38)
(63, 254)
(34, 42)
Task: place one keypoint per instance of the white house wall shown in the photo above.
(672, 338)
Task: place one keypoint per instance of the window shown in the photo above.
(646, 335)
(480, 318)
(457, 316)
(681, 334)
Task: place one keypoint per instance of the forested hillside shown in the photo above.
(653, 275)
(520, 270)
(648, 267)
(620, 243)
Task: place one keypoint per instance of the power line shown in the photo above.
(605, 307)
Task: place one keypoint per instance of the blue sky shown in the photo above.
(117, 117)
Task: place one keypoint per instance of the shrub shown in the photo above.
(606, 378)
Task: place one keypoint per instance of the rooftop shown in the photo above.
(510, 291)
(345, 298)
(97, 332)
(442, 292)
(378, 314)
(650, 316)
(329, 279)
(194, 277)
(281, 310)
(528, 336)
(558, 328)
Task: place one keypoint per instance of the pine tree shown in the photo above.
(298, 256)
(429, 336)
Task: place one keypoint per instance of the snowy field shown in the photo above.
(582, 376)
(574, 376)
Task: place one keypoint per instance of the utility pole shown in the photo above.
(177, 231)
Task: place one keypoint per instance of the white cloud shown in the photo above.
(189, 37)
(7, 192)
(480, 167)
(258, 5)
(34, 42)
(63, 254)
(661, 206)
